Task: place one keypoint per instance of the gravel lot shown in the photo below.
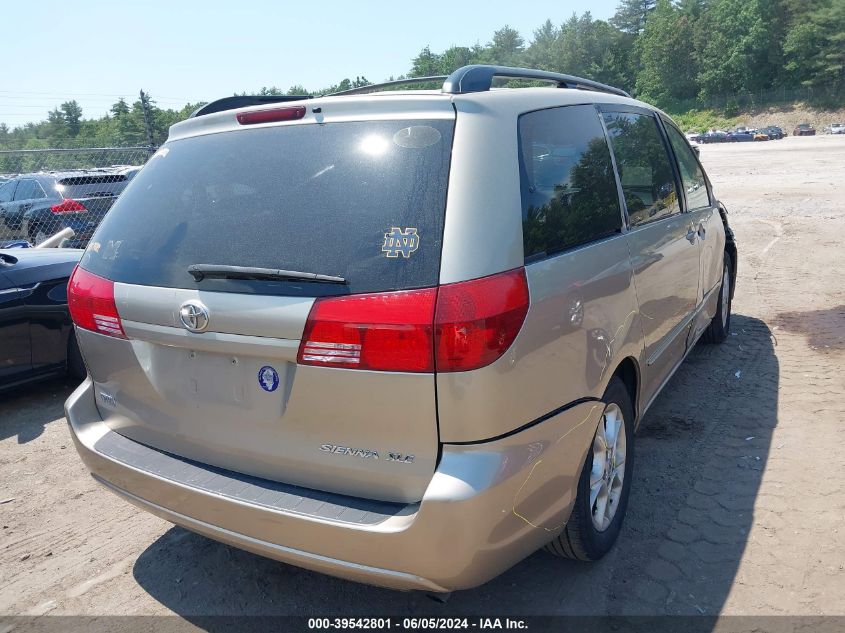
(738, 499)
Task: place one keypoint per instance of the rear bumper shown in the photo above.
(487, 507)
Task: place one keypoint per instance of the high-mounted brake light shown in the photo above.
(68, 206)
(271, 116)
(456, 327)
(91, 303)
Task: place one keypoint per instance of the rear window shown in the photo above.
(92, 186)
(359, 200)
(92, 180)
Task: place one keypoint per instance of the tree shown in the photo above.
(73, 116)
(814, 46)
(426, 64)
(120, 108)
(631, 15)
(541, 53)
(736, 47)
(506, 47)
(668, 69)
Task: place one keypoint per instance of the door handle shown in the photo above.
(691, 235)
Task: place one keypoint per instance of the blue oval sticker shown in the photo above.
(268, 378)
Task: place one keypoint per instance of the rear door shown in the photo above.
(21, 203)
(15, 357)
(7, 194)
(703, 213)
(362, 200)
(662, 240)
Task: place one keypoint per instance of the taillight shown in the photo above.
(271, 116)
(68, 206)
(456, 327)
(477, 321)
(91, 303)
(386, 331)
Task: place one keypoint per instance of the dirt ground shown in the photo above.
(738, 500)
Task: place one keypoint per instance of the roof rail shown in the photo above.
(479, 78)
(242, 101)
(386, 85)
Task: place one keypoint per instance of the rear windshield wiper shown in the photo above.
(201, 271)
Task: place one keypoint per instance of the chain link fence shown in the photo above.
(44, 191)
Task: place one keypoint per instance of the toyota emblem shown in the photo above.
(194, 316)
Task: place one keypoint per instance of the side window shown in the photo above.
(648, 181)
(25, 190)
(7, 190)
(38, 191)
(691, 173)
(569, 194)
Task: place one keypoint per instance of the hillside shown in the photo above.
(786, 116)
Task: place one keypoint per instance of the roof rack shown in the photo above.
(242, 101)
(387, 84)
(479, 78)
(468, 79)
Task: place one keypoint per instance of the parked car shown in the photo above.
(318, 356)
(740, 136)
(759, 135)
(804, 129)
(38, 205)
(714, 136)
(774, 132)
(35, 326)
(835, 128)
(693, 137)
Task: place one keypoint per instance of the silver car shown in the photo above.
(403, 337)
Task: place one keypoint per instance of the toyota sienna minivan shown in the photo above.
(402, 337)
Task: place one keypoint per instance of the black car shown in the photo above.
(36, 334)
(39, 205)
(774, 132)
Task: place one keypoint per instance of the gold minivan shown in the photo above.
(403, 337)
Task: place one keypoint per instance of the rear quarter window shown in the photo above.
(568, 188)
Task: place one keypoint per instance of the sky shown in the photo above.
(178, 52)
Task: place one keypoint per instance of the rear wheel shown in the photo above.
(605, 482)
(720, 326)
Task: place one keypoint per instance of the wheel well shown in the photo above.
(628, 372)
(730, 249)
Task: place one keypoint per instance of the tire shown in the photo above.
(720, 326)
(75, 364)
(582, 538)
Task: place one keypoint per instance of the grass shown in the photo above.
(703, 120)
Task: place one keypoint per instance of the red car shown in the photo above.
(804, 129)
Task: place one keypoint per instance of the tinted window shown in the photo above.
(37, 191)
(360, 200)
(92, 186)
(569, 194)
(648, 182)
(7, 190)
(691, 173)
(25, 190)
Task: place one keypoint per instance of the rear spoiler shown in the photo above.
(242, 101)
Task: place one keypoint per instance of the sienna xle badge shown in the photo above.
(400, 337)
